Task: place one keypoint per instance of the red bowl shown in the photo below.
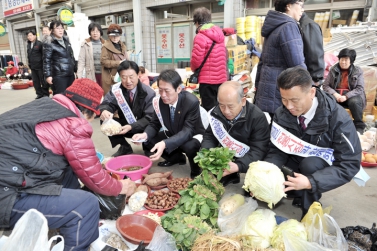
(160, 186)
(164, 209)
(136, 228)
(367, 164)
(20, 86)
(30, 83)
(144, 212)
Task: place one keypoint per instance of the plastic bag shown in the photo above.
(162, 240)
(326, 232)
(361, 238)
(31, 233)
(110, 127)
(232, 224)
(111, 206)
(294, 243)
(137, 200)
(315, 208)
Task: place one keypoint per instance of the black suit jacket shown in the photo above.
(187, 121)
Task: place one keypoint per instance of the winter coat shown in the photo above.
(313, 47)
(86, 60)
(110, 60)
(35, 55)
(331, 127)
(214, 70)
(11, 71)
(141, 106)
(251, 128)
(57, 60)
(282, 49)
(40, 141)
(355, 82)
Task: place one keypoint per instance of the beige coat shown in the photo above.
(110, 59)
(86, 60)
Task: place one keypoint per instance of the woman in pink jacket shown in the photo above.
(214, 71)
(46, 147)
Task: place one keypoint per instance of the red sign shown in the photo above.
(18, 10)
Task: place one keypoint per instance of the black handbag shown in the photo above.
(194, 78)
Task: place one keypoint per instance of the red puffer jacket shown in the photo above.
(214, 70)
(71, 137)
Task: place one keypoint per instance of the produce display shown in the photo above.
(156, 179)
(265, 181)
(162, 199)
(137, 200)
(292, 226)
(230, 204)
(178, 184)
(153, 216)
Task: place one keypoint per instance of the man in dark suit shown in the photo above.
(177, 112)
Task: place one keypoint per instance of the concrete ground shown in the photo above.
(352, 205)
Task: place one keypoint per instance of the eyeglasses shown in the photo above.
(301, 4)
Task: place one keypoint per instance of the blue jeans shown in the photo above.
(75, 212)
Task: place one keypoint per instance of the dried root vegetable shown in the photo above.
(116, 241)
(210, 241)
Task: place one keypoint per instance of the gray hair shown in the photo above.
(235, 86)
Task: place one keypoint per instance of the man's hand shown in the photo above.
(125, 129)
(160, 147)
(49, 80)
(105, 115)
(138, 137)
(341, 99)
(299, 182)
(128, 187)
(233, 169)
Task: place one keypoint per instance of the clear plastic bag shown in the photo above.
(326, 232)
(110, 127)
(295, 243)
(162, 240)
(31, 233)
(232, 224)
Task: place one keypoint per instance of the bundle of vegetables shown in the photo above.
(184, 227)
(265, 181)
(210, 241)
(292, 226)
(214, 160)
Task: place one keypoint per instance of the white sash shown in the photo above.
(122, 102)
(225, 139)
(156, 107)
(290, 144)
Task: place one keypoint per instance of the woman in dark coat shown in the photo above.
(59, 64)
(282, 49)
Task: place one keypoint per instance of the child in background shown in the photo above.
(143, 76)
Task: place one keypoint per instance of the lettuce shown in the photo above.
(265, 181)
(293, 227)
(258, 228)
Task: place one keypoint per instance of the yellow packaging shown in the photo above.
(237, 53)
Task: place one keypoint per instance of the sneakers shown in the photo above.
(123, 150)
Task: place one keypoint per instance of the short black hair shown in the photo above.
(126, 64)
(348, 53)
(281, 5)
(202, 15)
(170, 76)
(20, 64)
(95, 25)
(55, 23)
(30, 31)
(84, 110)
(295, 76)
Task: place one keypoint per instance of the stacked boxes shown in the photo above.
(370, 87)
(238, 55)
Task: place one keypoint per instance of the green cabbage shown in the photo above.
(293, 227)
(265, 181)
(259, 228)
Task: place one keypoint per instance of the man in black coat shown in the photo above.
(35, 58)
(133, 101)
(315, 137)
(313, 48)
(177, 112)
(242, 123)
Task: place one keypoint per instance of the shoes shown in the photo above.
(168, 163)
(123, 150)
(231, 178)
(297, 202)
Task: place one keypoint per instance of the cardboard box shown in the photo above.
(239, 66)
(370, 95)
(369, 107)
(237, 53)
(231, 41)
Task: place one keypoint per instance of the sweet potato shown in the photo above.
(142, 188)
(147, 177)
(154, 182)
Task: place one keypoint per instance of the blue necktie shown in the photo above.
(172, 111)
